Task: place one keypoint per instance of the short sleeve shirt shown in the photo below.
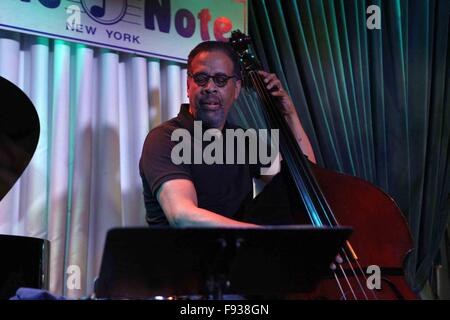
(223, 188)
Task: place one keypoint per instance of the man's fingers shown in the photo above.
(277, 93)
(263, 73)
(275, 84)
(272, 82)
(270, 77)
(267, 76)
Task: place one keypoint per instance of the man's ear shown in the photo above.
(237, 91)
(187, 87)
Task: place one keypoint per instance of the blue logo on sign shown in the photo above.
(103, 13)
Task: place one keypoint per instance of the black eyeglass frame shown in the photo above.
(214, 77)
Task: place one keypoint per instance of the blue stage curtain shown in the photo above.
(375, 103)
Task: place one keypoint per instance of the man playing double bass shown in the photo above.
(199, 194)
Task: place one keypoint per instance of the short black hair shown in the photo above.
(209, 46)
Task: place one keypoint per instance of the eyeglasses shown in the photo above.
(202, 79)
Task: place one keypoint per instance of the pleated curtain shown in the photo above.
(95, 108)
(374, 102)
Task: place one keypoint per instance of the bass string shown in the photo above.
(276, 117)
(309, 188)
(275, 122)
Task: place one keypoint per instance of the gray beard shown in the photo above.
(211, 119)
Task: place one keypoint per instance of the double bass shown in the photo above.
(381, 240)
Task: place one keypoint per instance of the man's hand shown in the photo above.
(287, 108)
(273, 84)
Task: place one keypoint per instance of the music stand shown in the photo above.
(142, 263)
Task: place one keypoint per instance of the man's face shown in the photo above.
(210, 103)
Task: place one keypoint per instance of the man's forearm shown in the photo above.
(300, 135)
(198, 217)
